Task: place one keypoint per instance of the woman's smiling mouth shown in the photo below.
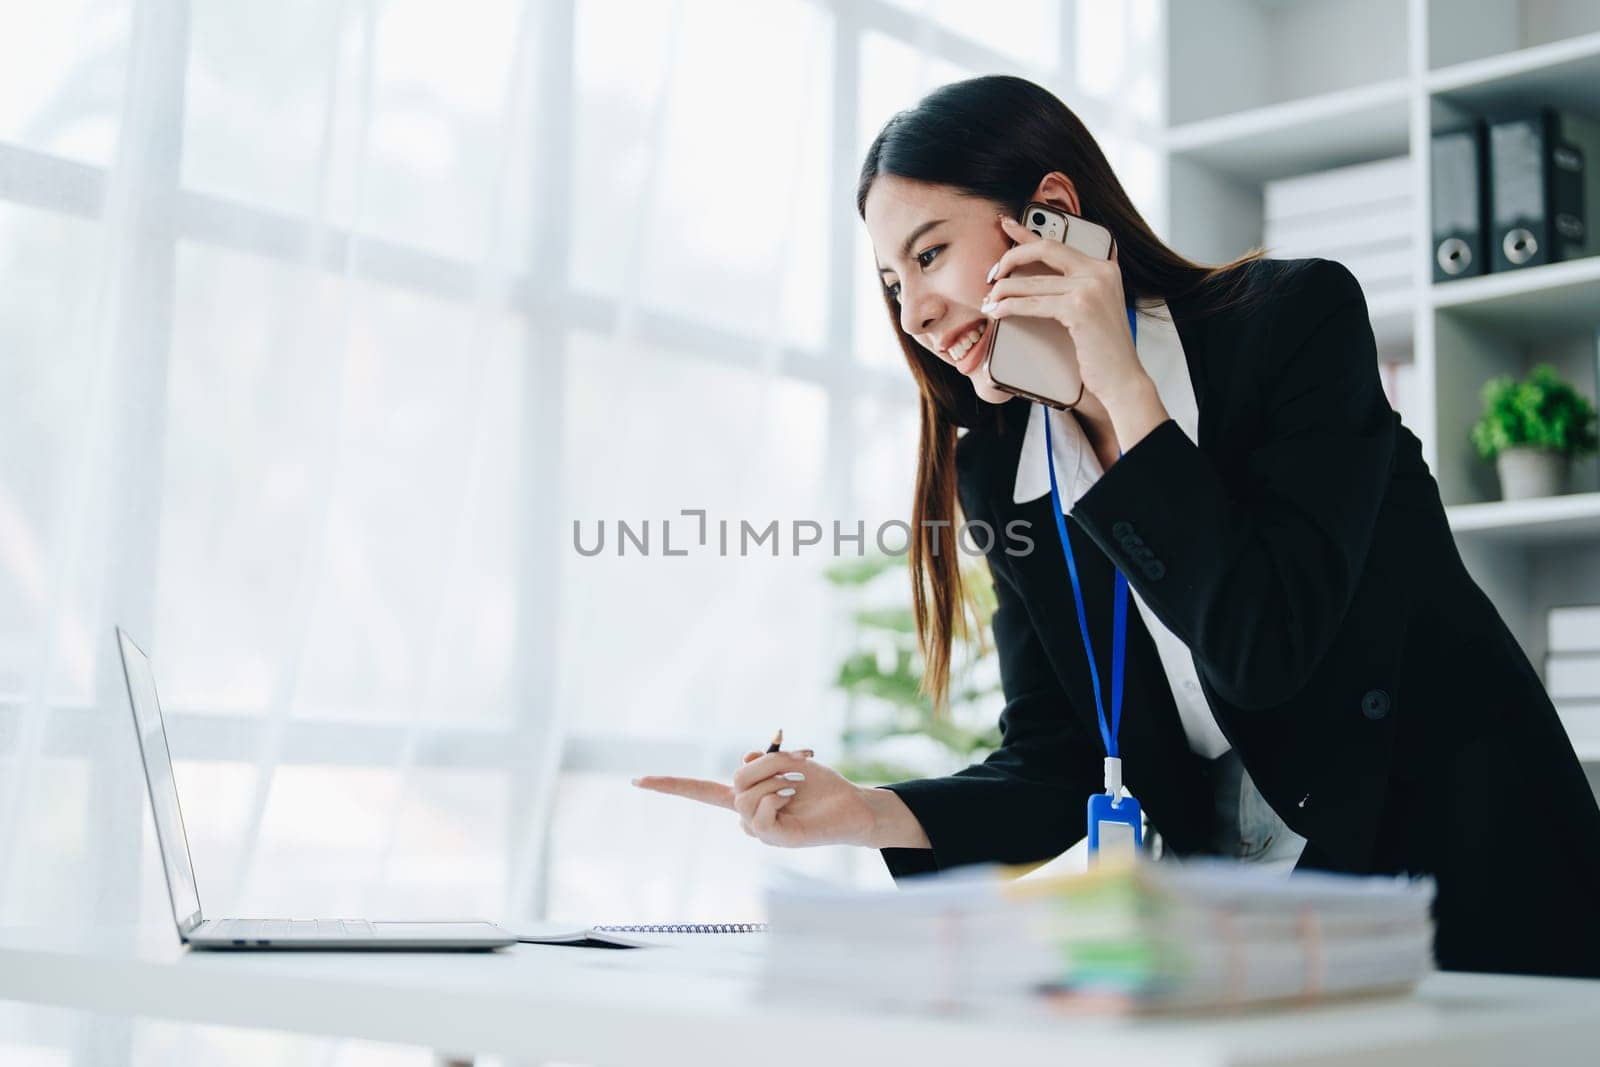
(968, 353)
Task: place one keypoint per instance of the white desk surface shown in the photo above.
(670, 1006)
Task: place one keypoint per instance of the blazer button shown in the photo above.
(1375, 705)
(1155, 570)
(1122, 529)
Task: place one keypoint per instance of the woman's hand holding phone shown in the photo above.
(1085, 296)
(790, 800)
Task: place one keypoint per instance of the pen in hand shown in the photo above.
(775, 808)
(777, 744)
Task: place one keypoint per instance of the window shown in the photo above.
(327, 331)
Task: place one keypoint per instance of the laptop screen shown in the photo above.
(170, 836)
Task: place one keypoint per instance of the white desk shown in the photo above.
(661, 1007)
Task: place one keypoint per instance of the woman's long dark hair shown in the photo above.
(996, 137)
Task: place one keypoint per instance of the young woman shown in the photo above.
(1310, 672)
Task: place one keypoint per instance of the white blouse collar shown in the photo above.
(1161, 351)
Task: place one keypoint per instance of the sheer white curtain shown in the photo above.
(323, 324)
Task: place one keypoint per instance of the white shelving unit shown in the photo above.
(1570, 519)
(1279, 140)
(1536, 304)
(1266, 89)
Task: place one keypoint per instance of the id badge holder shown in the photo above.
(1115, 826)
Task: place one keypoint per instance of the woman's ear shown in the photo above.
(1057, 190)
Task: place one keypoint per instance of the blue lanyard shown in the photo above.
(1119, 624)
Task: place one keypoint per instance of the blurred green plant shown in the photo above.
(883, 674)
(1541, 412)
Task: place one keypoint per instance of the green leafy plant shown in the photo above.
(1542, 412)
(883, 675)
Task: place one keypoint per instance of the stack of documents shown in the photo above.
(1572, 673)
(1363, 216)
(941, 942)
(1136, 935)
(1215, 933)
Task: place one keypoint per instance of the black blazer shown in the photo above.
(1301, 551)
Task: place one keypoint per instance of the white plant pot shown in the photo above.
(1526, 473)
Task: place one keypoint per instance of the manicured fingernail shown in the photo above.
(992, 272)
(987, 307)
(793, 776)
(786, 792)
(636, 781)
(804, 753)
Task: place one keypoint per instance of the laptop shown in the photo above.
(197, 931)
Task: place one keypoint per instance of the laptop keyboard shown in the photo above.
(298, 929)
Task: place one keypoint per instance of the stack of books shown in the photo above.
(1572, 673)
(1131, 936)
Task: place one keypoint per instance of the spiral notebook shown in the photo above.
(644, 935)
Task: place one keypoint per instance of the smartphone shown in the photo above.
(1035, 357)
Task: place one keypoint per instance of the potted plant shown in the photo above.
(1532, 429)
